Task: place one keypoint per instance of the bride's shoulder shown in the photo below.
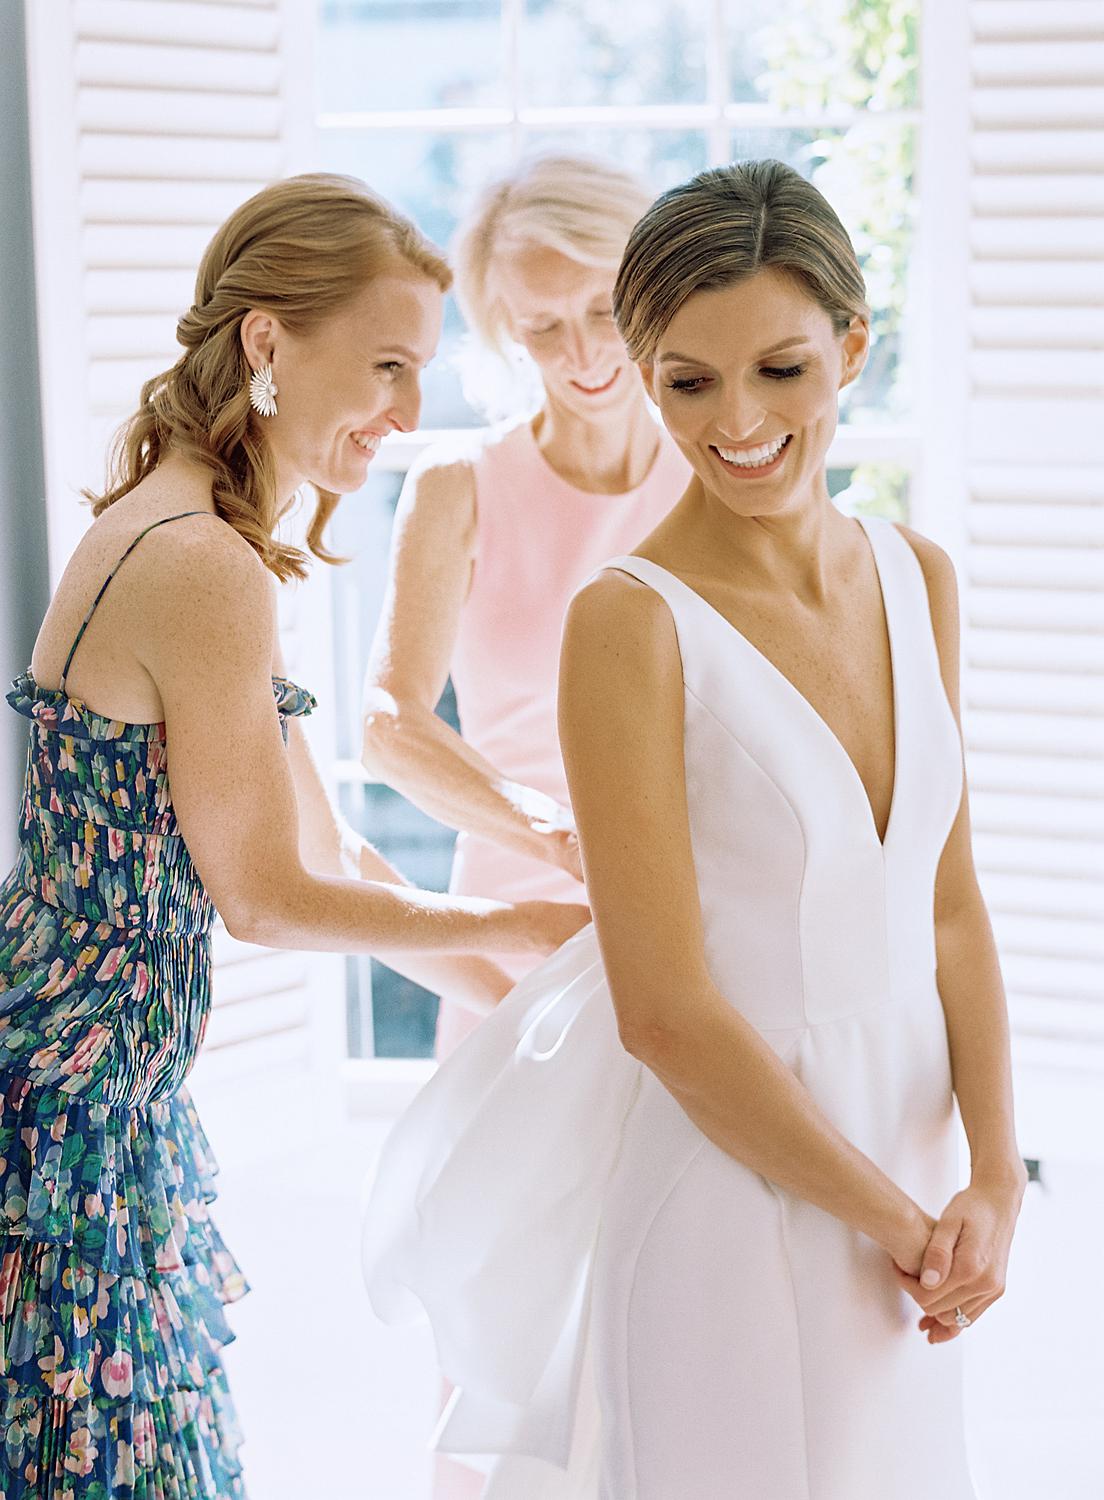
(614, 611)
(934, 561)
(938, 571)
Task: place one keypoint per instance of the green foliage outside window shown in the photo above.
(859, 54)
(862, 55)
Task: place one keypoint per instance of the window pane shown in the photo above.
(361, 531)
(873, 489)
(604, 52)
(804, 149)
(429, 174)
(367, 51)
(390, 1015)
(432, 176)
(866, 173)
(823, 54)
(660, 157)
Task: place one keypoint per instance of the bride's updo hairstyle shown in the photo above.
(720, 228)
(299, 250)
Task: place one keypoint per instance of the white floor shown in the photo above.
(336, 1406)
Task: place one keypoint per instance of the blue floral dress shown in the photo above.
(113, 1276)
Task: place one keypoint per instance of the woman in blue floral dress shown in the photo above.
(316, 306)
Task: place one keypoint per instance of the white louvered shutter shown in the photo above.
(1032, 557)
(150, 121)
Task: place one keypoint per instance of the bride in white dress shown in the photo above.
(683, 1212)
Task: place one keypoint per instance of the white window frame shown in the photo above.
(716, 116)
(383, 1085)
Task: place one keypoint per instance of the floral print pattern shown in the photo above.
(113, 1277)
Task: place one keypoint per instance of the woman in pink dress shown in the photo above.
(492, 538)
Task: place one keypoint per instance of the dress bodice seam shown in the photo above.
(754, 759)
(641, 567)
(786, 802)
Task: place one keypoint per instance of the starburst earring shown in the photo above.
(262, 392)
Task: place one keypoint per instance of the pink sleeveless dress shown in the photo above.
(538, 538)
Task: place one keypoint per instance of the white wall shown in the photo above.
(23, 589)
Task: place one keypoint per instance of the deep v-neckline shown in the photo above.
(814, 714)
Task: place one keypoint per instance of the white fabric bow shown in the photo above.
(485, 1210)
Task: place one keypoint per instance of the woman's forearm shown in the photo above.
(330, 846)
(970, 987)
(741, 1095)
(412, 749)
(289, 907)
(471, 981)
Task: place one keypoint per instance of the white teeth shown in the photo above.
(368, 441)
(601, 384)
(753, 458)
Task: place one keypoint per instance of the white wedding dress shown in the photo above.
(628, 1312)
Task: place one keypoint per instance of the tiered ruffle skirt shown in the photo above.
(113, 1282)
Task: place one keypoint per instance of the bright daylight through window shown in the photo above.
(829, 86)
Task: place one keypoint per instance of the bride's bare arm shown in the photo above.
(209, 650)
(621, 730)
(966, 1261)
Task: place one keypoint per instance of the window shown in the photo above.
(830, 86)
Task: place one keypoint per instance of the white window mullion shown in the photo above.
(513, 19)
(445, 121)
(719, 134)
(941, 277)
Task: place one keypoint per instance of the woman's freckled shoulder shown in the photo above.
(201, 559)
(615, 602)
(208, 539)
(610, 589)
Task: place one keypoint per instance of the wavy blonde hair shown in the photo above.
(298, 250)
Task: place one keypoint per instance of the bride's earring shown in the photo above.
(262, 392)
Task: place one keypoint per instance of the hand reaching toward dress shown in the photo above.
(553, 922)
(559, 844)
(551, 827)
(568, 856)
(963, 1269)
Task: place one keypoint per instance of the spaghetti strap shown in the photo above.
(103, 586)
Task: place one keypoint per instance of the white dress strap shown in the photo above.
(677, 595)
(904, 589)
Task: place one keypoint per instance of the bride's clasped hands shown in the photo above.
(963, 1269)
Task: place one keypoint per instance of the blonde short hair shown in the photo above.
(583, 207)
(723, 226)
